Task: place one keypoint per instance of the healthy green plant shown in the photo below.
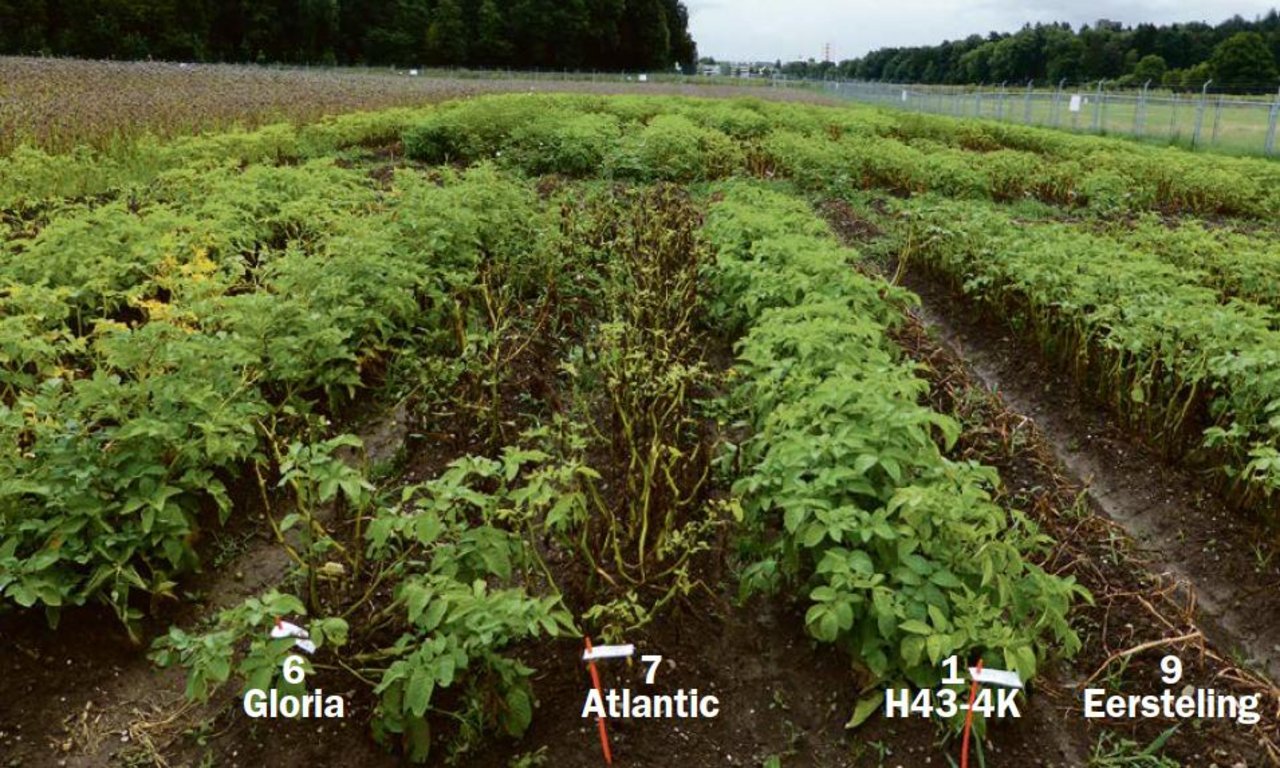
(903, 555)
(1195, 373)
(913, 154)
(152, 341)
(451, 555)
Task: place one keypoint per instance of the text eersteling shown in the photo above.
(1198, 703)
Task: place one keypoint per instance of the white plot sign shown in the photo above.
(1075, 103)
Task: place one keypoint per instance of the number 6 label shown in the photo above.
(294, 669)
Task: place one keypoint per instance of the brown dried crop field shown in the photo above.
(59, 104)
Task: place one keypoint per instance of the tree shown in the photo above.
(1243, 61)
(1150, 67)
(976, 64)
(447, 35)
(319, 27)
(492, 46)
(1015, 58)
(684, 51)
(1106, 49)
(579, 34)
(646, 36)
(1063, 53)
(1103, 55)
(1195, 77)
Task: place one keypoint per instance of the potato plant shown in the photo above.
(904, 557)
(1196, 373)
(182, 335)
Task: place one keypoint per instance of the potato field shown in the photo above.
(388, 416)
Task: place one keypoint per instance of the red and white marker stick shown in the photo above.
(968, 718)
(590, 658)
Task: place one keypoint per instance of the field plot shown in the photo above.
(61, 104)
(806, 400)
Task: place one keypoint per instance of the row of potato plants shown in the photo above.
(904, 556)
(1199, 374)
(428, 589)
(426, 603)
(31, 177)
(152, 352)
(683, 140)
(609, 485)
(1165, 178)
(1106, 180)
(1238, 264)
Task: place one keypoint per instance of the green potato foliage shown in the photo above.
(575, 137)
(153, 349)
(915, 154)
(1156, 329)
(903, 555)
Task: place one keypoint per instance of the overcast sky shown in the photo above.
(798, 29)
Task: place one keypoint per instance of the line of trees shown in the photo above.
(1239, 55)
(551, 34)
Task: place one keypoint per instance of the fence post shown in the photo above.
(1271, 126)
(1026, 105)
(1217, 118)
(1204, 94)
(1097, 109)
(1000, 101)
(1057, 103)
(1140, 113)
(1174, 131)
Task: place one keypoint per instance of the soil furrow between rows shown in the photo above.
(1184, 529)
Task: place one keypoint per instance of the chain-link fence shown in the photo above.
(1242, 124)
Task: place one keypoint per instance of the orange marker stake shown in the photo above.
(968, 721)
(595, 680)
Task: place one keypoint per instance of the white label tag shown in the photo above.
(998, 677)
(287, 629)
(608, 652)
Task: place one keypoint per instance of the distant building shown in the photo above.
(741, 69)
